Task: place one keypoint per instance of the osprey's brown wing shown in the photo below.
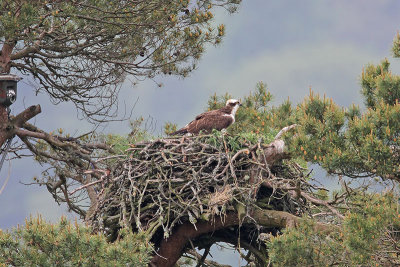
(213, 119)
(208, 121)
(207, 113)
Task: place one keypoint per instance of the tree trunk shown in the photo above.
(5, 57)
(8, 127)
(4, 126)
(5, 63)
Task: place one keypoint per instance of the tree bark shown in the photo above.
(4, 126)
(5, 57)
(5, 63)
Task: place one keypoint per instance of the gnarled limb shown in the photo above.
(284, 130)
(8, 128)
(68, 156)
(296, 193)
(172, 248)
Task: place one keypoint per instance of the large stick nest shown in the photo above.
(162, 183)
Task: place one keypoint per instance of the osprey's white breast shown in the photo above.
(230, 115)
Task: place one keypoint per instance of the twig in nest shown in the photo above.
(105, 174)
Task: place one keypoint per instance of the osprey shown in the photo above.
(218, 119)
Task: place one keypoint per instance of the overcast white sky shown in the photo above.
(291, 45)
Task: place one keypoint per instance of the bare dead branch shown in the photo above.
(284, 130)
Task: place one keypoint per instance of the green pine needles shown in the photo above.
(39, 243)
(369, 236)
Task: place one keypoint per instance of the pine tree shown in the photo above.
(39, 243)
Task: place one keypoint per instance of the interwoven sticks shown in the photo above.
(169, 181)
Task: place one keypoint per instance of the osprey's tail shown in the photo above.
(180, 132)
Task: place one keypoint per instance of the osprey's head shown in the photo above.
(234, 104)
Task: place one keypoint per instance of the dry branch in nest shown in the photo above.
(170, 182)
